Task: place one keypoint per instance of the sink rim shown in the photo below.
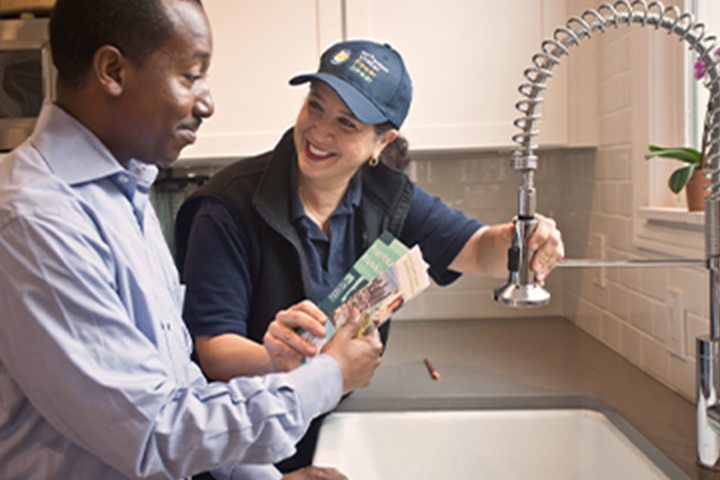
(361, 404)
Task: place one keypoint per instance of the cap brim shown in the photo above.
(362, 108)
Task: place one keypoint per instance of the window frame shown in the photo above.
(661, 222)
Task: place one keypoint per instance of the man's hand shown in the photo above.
(315, 473)
(282, 342)
(358, 358)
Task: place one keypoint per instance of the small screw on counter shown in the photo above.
(433, 373)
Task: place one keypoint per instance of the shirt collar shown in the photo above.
(350, 201)
(77, 156)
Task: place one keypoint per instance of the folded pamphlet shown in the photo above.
(380, 282)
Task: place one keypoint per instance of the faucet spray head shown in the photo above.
(521, 290)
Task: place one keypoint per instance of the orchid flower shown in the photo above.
(696, 159)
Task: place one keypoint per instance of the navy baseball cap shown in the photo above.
(369, 77)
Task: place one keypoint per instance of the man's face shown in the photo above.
(168, 96)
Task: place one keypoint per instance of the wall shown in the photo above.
(592, 196)
(629, 313)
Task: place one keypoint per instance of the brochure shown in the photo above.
(382, 280)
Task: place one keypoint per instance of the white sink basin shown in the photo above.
(481, 444)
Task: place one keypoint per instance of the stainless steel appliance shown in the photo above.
(27, 77)
(18, 7)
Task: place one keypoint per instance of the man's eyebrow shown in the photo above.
(199, 54)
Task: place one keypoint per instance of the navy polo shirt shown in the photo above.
(328, 257)
(217, 269)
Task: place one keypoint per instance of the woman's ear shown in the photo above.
(109, 69)
(386, 140)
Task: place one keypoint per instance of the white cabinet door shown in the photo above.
(466, 59)
(257, 46)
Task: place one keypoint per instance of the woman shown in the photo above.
(267, 238)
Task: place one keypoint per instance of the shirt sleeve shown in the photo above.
(69, 344)
(440, 231)
(216, 272)
(247, 472)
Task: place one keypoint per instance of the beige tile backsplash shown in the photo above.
(587, 191)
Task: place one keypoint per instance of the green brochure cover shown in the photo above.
(385, 276)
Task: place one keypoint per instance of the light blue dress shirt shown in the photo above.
(96, 382)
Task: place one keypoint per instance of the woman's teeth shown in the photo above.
(317, 152)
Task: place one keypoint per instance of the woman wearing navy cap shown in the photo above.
(267, 238)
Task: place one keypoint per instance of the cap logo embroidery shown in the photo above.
(340, 57)
(369, 78)
(367, 66)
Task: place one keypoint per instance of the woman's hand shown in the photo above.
(282, 342)
(546, 242)
(485, 253)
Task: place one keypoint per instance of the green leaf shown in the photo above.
(680, 178)
(655, 148)
(689, 155)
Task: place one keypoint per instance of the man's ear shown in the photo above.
(109, 69)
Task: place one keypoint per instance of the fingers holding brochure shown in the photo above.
(357, 357)
(381, 281)
(283, 343)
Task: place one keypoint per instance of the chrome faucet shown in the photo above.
(521, 290)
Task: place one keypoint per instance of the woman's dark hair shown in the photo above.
(396, 152)
(79, 27)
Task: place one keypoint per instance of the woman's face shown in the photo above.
(331, 143)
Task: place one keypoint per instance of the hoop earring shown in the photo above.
(374, 161)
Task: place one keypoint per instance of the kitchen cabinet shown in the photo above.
(258, 45)
(466, 59)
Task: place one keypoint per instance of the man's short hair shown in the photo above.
(79, 27)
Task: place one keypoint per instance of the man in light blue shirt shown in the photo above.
(95, 377)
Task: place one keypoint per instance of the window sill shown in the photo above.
(679, 217)
(671, 231)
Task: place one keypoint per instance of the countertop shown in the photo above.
(532, 363)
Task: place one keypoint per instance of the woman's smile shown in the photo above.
(316, 154)
(331, 143)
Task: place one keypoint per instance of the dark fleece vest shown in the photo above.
(256, 191)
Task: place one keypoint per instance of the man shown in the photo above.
(95, 377)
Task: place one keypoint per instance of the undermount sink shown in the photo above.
(563, 444)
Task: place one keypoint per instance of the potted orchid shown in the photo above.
(691, 177)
